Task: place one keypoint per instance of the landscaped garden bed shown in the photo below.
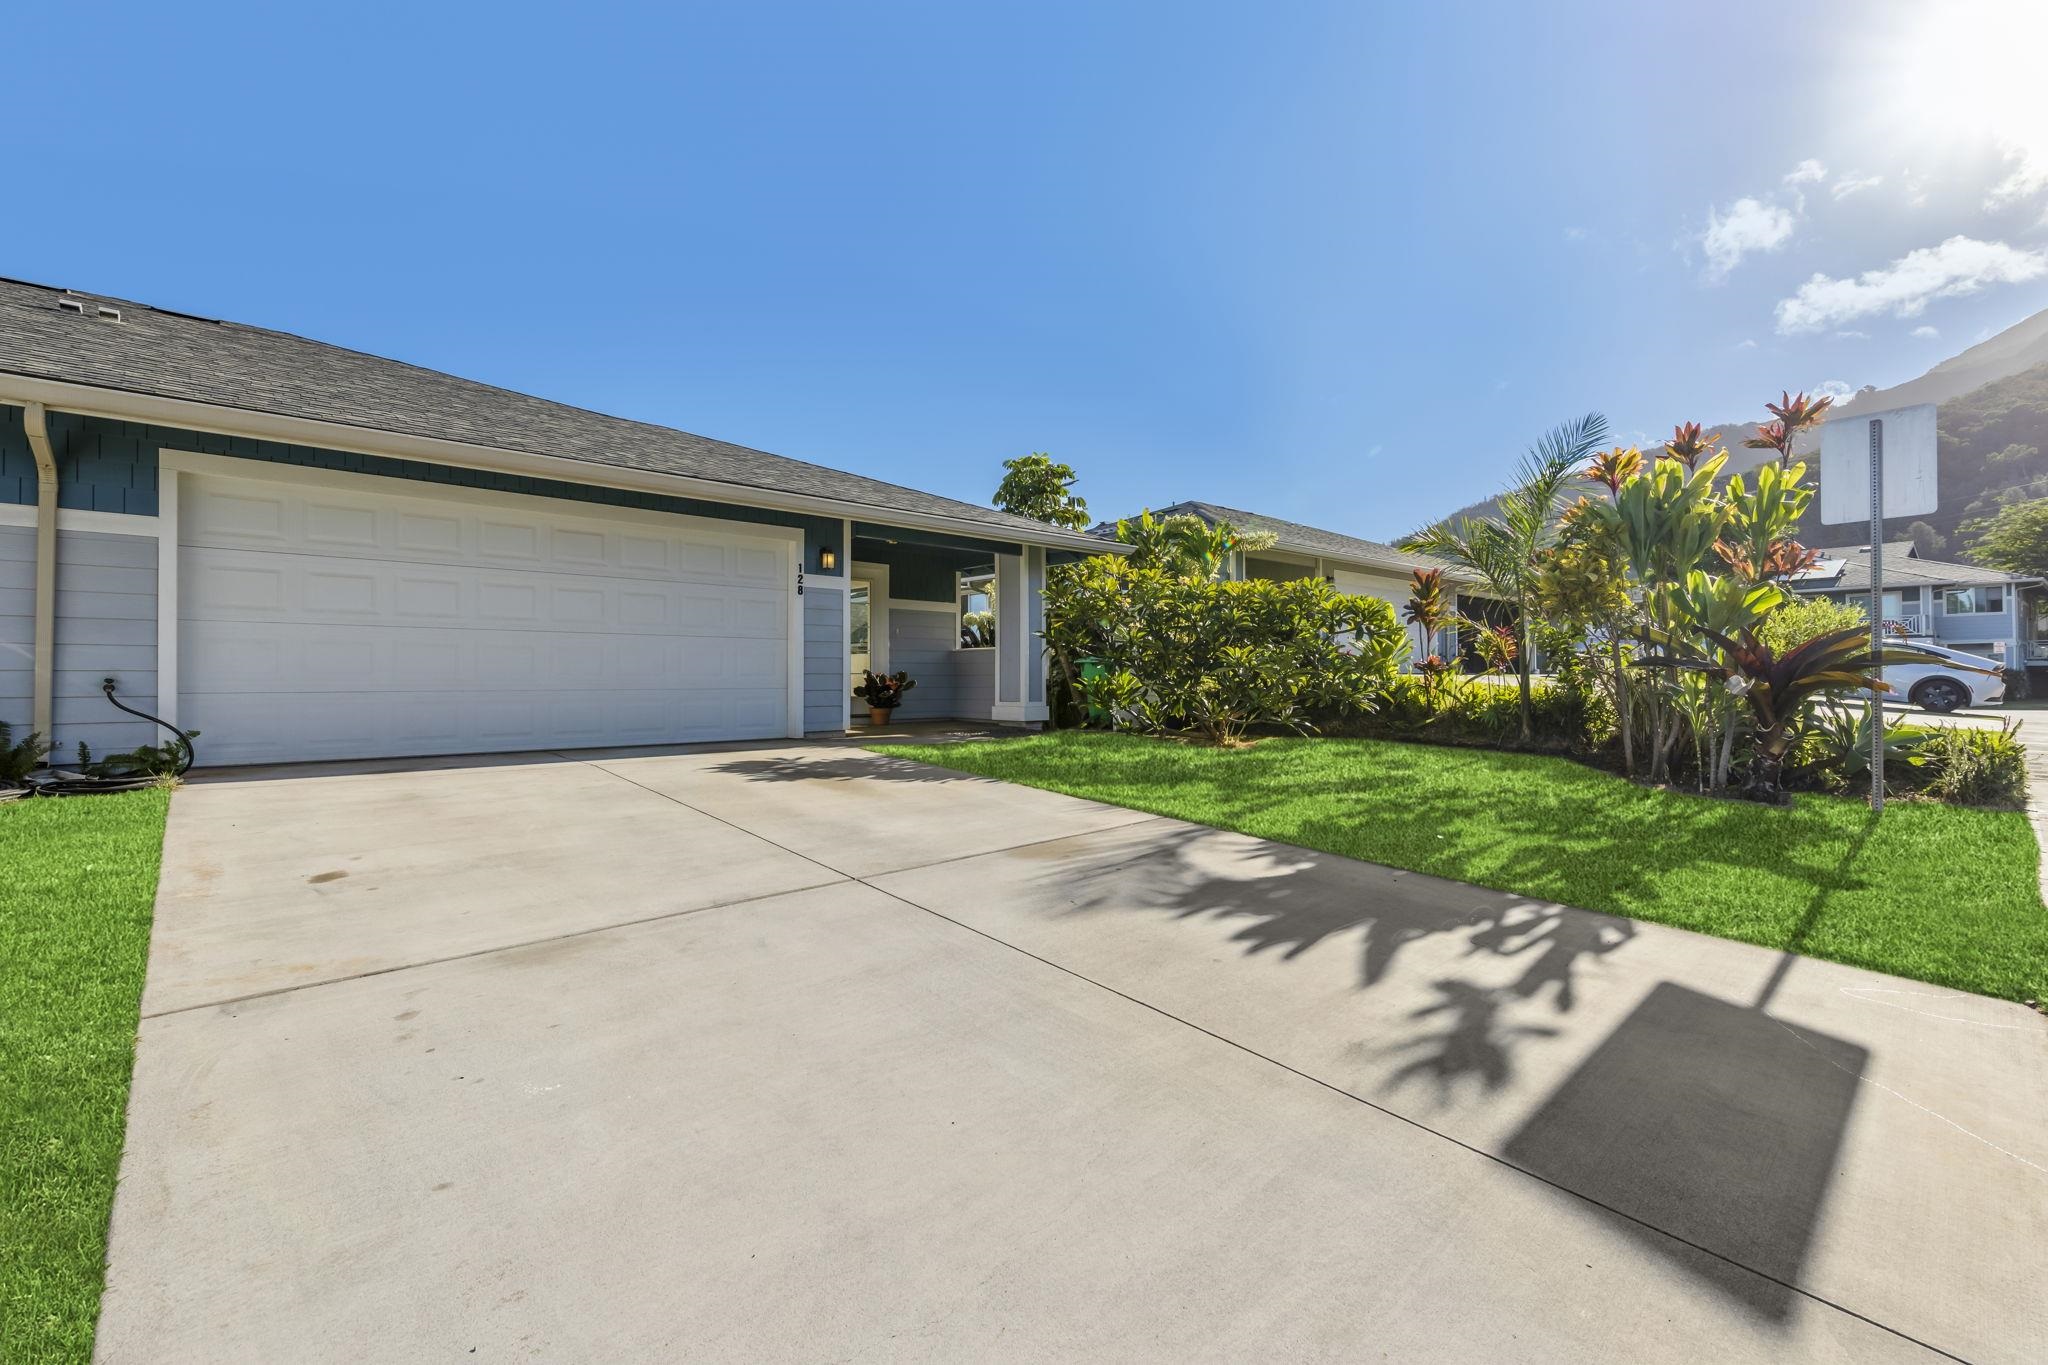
(1940, 893)
(77, 885)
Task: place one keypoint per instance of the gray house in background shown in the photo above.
(307, 552)
(1964, 606)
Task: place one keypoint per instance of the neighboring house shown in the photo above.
(306, 552)
(1964, 606)
(1362, 567)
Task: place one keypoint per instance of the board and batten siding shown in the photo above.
(952, 683)
(106, 628)
(827, 679)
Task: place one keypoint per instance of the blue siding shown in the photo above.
(952, 684)
(106, 627)
(827, 681)
(108, 466)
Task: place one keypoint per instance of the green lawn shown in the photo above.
(77, 883)
(1941, 893)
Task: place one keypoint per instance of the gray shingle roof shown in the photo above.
(1292, 535)
(1902, 569)
(230, 365)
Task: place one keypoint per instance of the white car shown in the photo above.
(1962, 680)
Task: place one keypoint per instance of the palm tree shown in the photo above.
(1502, 548)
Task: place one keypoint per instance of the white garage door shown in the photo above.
(337, 619)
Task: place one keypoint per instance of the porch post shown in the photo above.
(1020, 627)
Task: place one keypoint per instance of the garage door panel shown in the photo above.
(248, 517)
(330, 623)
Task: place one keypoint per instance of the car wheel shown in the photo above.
(1940, 695)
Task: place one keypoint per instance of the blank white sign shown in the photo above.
(1909, 486)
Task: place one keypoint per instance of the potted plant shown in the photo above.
(883, 692)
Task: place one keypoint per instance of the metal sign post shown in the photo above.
(1877, 615)
(1907, 486)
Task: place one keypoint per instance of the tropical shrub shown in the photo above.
(1185, 545)
(1804, 618)
(1973, 767)
(1217, 657)
(18, 758)
(1777, 689)
(169, 759)
(1835, 746)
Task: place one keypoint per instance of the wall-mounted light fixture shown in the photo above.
(828, 558)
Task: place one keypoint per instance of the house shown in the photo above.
(1964, 606)
(306, 552)
(1361, 567)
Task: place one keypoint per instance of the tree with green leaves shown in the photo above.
(1185, 545)
(2016, 539)
(1503, 548)
(1036, 486)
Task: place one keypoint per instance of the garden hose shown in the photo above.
(107, 686)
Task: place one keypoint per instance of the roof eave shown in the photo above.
(126, 405)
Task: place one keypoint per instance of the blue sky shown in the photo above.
(1336, 262)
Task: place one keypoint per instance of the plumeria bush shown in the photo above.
(1186, 652)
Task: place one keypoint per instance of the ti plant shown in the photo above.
(1689, 446)
(1757, 542)
(1496, 646)
(1777, 688)
(1428, 609)
(1794, 414)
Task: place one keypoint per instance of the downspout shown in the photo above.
(34, 421)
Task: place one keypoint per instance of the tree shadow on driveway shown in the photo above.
(1696, 1118)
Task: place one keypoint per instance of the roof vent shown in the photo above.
(72, 306)
(108, 313)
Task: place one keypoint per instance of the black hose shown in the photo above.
(107, 686)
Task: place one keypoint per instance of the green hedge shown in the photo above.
(1954, 764)
(1467, 711)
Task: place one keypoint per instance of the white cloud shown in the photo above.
(1852, 335)
(1926, 333)
(1960, 265)
(1835, 389)
(1746, 344)
(2026, 177)
(1374, 451)
(1807, 172)
(1854, 184)
(1575, 234)
(1749, 225)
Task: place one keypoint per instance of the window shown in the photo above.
(977, 597)
(1972, 601)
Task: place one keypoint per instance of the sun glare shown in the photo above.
(1956, 76)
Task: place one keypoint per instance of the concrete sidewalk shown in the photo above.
(799, 1052)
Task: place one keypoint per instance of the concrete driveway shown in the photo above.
(802, 1053)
